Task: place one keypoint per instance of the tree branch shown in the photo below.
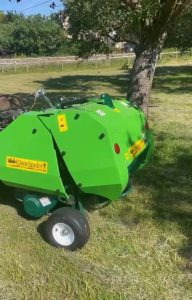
(180, 7)
(161, 20)
(119, 40)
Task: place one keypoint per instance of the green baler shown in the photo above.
(79, 151)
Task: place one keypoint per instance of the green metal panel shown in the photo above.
(87, 145)
(85, 136)
(27, 144)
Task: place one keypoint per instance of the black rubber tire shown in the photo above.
(75, 220)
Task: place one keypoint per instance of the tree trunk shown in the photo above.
(142, 75)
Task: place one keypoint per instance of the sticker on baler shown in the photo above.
(136, 148)
(62, 123)
(45, 201)
(116, 110)
(100, 112)
(26, 164)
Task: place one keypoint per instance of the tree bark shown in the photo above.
(143, 73)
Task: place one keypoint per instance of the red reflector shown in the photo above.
(117, 148)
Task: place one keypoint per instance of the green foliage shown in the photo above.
(36, 35)
(181, 35)
(30, 36)
(105, 17)
(93, 24)
(3, 18)
(5, 37)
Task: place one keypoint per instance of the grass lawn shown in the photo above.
(140, 248)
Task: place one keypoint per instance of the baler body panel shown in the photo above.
(27, 156)
(96, 143)
(87, 144)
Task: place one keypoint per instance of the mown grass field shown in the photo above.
(140, 248)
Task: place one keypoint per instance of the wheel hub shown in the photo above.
(63, 234)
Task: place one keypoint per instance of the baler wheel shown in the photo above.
(67, 228)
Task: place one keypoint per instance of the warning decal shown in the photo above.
(136, 148)
(26, 164)
(62, 122)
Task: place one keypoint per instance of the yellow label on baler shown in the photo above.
(116, 110)
(62, 123)
(136, 148)
(26, 164)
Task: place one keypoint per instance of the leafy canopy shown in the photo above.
(32, 35)
(93, 22)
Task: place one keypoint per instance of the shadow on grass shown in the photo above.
(173, 79)
(170, 187)
(7, 198)
(86, 84)
(168, 79)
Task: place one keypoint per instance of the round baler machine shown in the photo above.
(79, 151)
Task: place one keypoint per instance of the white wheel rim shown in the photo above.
(63, 234)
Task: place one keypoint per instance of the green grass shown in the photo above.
(82, 65)
(140, 248)
(168, 56)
